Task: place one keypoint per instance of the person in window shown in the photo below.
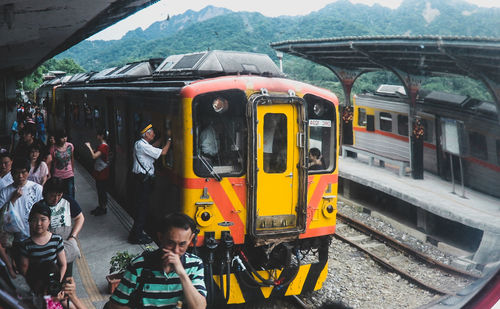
(209, 144)
(315, 159)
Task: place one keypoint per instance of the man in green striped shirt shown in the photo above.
(162, 278)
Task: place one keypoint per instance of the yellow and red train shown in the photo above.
(265, 218)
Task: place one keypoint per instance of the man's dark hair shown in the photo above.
(31, 129)
(178, 220)
(21, 163)
(315, 152)
(60, 134)
(5, 155)
(53, 185)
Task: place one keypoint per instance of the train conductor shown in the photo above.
(144, 155)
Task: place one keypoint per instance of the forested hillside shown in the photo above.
(216, 28)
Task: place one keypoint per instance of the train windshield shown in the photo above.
(219, 134)
(321, 134)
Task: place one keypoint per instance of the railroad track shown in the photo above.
(412, 265)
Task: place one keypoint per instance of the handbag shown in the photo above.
(10, 220)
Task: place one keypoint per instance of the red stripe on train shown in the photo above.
(313, 206)
(220, 198)
(392, 135)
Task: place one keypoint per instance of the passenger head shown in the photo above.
(176, 232)
(51, 140)
(20, 171)
(314, 153)
(53, 191)
(60, 137)
(220, 105)
(39, 218)
(102, 135)
(5, 163)
(29, 133)
(34, 153)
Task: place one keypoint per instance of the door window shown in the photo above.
(275, 143)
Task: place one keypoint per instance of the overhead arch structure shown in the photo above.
(411, 59)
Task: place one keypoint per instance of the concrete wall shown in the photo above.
(7, 103)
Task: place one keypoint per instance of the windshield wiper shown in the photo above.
(210, 168)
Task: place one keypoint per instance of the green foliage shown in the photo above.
(34, 80)
(120, 261)
(244, 31)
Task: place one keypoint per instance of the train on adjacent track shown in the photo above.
(457, 130)
(265, 218)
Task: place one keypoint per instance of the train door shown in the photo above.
(279, 176)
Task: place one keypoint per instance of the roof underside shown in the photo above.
(32, 31)
(478, 58)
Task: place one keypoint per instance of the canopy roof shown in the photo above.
(418, 56)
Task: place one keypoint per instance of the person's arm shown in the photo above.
(95, 154)
(193, 298)
(69, 289)
(24, 263)
(77, 224)
(61, 260)
(165, 148)
(72, 158)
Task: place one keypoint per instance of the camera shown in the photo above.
(54, 285)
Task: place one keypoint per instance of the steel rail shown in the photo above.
(404, 248)
(391, 267)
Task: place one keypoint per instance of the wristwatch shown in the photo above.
(72, 236)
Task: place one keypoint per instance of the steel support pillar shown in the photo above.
(7, 103)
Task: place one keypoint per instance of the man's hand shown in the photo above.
(16, 194)
(171, 260)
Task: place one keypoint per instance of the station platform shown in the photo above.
(434, 195)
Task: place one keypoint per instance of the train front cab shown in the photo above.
(261, 212)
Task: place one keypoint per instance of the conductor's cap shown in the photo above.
(145, 128)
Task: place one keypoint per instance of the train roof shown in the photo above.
(216, 63)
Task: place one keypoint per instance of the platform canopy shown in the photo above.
(410, 58)
(32, 31)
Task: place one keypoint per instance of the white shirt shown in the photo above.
(208, 139)
(32, 193)
(5, 181)
(146, 154)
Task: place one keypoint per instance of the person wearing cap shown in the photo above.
(42, 246)
(144, 156)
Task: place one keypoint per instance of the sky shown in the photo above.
(271, 8)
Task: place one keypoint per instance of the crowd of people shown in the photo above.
(40, 219)
(39, 216)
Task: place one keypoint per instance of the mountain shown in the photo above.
(219, 28)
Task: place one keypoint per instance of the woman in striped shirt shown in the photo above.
(42, 246)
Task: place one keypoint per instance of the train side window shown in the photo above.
(370, 123)
(385, 122)
(361, 117)
(322, 141)
(120, 127)
(403, 125)
(477, 145)
(498, 151)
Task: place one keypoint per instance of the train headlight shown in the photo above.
(329, 210)
(204, 217)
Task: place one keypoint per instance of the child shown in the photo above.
(42, 246)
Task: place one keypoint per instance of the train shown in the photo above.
(265, 218)
(457, 130)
